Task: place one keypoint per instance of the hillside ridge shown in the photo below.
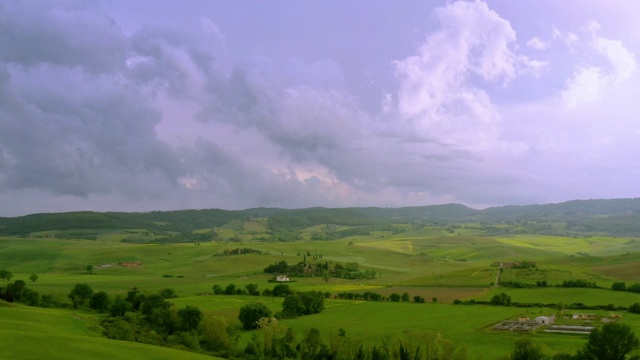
(612, 216)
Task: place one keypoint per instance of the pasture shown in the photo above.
(430, 262)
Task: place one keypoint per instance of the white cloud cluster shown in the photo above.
(536, 43)
(439, 87)
(590, 81)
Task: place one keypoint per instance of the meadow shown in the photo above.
(435, 262)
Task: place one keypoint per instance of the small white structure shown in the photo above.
(282, 278)
(545, 320)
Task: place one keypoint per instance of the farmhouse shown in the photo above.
(282, 278)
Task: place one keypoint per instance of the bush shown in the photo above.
(292, 306)
(619, 286)
(251, 313)
(281, 290)
(230, 289)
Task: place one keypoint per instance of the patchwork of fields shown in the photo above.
(432, 262)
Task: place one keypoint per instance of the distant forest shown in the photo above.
(614, 217)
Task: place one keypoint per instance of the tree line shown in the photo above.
(326, 269)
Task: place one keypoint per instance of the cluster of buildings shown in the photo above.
(525, 324)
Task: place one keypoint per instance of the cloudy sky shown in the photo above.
(158, 105)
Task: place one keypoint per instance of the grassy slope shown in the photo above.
(30, 333)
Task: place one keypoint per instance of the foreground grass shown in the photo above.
(33, 333)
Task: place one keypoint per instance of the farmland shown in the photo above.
(441, 261)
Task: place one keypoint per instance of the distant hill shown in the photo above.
(612, 216)
(574, 208)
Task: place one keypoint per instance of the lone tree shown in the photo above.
(251, 313)
(90, 269)
(33, 277)
(613, 341)
(5, 275)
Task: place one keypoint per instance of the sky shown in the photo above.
(146, 105)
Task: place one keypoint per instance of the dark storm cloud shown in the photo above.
(70, 120)
(61, 33)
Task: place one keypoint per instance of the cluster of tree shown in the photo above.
(371, 296)
(326, 269)
(520, 285)
(621, 286)
(293, 305)
(367, 296)
(238, 251)
(524, 265)
(272, 341)
(279, 290)
(635, 308)
(282, 267)
(302, 303)
(612, 341)
(501, 299)
(350, 270)
(17, 290)
(578, 284)
(151, 319)
(13, 291)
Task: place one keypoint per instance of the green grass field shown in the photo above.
(429, 262)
